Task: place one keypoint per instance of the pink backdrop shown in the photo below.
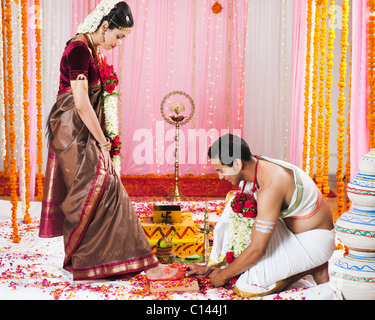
(298, 82)
(157, 58)
(359, 124)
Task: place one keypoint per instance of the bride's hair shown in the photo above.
(120, 16)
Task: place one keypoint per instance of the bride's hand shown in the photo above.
(108, 165)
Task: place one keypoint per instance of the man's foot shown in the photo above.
(321, 274)
(164, 273)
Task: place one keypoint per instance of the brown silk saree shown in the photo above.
(102, 234)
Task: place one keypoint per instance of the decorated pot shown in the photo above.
(361, 190)
(165, 255)
(356, 228)
(367, 163)
(354, 275)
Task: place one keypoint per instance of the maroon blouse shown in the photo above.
(77, 60)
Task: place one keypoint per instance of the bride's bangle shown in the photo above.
(107, 146)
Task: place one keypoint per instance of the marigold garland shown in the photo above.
(341, 109)
(12, 134)
(25, 57)
(39, 96)
(315, 86)
(4, 70)
(321, 102)
(329, 84)
(371, 74)
(307, 86)
(2, 95)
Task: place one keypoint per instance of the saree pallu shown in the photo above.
(103, 236)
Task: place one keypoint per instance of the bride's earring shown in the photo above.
(102, 37)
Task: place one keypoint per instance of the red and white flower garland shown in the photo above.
(242, 220)
(110, 100)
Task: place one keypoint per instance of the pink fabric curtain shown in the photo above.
(359, 123)
(177, 46)
(298, 82)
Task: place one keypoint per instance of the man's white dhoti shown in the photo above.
(287, 254)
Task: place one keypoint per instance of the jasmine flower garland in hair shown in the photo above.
(92, 21)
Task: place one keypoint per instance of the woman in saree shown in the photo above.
(84, 199)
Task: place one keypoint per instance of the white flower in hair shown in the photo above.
(93, 20)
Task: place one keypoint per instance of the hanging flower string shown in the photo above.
(307, 87)
(315, 86)
(321, 101)
(4, 90)
(12, 134)
(39, 97)
(341, 109)
(22, 15)
(110, 104)
(2, 96)
(329, 84)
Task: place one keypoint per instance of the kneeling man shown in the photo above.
(292, 235)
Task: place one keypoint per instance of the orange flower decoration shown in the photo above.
(341, 110)
(217, 7)
(25, 57)
(11, 119)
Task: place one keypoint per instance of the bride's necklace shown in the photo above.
(97, 48)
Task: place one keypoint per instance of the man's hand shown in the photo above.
(195, 269)
(217, 278)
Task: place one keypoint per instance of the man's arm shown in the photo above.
(269, 206)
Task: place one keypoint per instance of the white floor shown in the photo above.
(33, 269)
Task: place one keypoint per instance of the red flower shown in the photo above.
(246, 204)
(110, 88)
(250, 214)
(249, 205)
(232, 282)
(115, 152)
(114, 79)
(230, 257)
(237, 207)
(105, 73)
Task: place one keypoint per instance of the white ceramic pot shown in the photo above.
(354, 275)
(356, 228)
(361, 190)
(367, 163)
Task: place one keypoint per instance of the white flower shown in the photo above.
(92, 21)
(111, 123)
(240, 233)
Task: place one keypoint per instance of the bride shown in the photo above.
(84, 199)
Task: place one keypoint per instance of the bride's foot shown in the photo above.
(164, 273)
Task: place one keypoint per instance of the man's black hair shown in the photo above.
(229, 148)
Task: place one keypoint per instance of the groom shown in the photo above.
(292, 235)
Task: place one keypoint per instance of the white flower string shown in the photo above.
(92, 21)
(240, 233)
(111, 123)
